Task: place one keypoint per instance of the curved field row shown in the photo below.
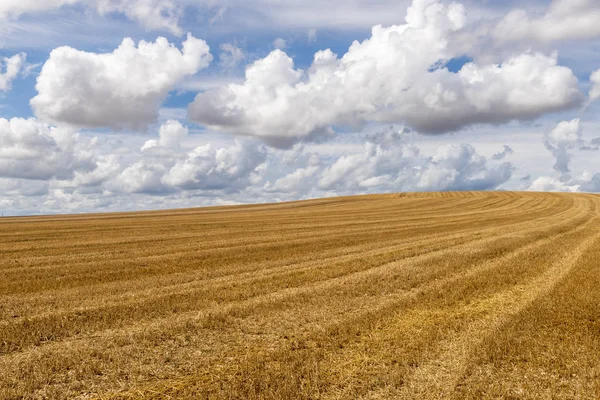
(428, 295)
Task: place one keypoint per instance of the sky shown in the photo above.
(120, 105)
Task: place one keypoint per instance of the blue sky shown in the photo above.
(241, 101)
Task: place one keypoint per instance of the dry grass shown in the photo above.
(448, 295)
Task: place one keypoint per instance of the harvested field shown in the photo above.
(447, 295)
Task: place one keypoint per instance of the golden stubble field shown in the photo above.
(453, 295)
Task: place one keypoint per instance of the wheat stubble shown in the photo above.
(434, 295)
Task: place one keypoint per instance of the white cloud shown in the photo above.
(566, 183)
(565, 136)
(144, 176)
(566, 133)
(387, 78)
(231, 56)
(549, 184)
(69, 167)
(561, 141)
(459, 167)
(76, 172)
(280, 43)
(171, 134)
(12, 66)
(294, 182)
(391, 161)
(209, 168)
(563, 20)
(122, 89)
(166, 166)
(33, 150)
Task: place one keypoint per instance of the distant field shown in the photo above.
(451, 295)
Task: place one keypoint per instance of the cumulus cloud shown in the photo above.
(210, 168)
(387, 78)
(566, 135)
(587, 182)
(165, 166)
(459, 167)
(67, 166)
(12, 67)
(549, 184)
(170, 134)
(387, 160)
(563, 20)
(143, 176)
(294, 183)
(92, 170)
(32, 150)
(122, 89)
(391, 161)
(561, 141)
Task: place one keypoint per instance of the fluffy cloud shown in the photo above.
(170, 135)
(12, 68)
(205, 169)
(33, 150)
(209, 168)
(122, 89)
(549, 184)
(164, 166)
(294, 183)
(387, 78)
(60, 162)
(566, 133)
(561, 141)
(144, 176)
(565, 136)
(566, 183)
(78, 172)
(564, 19)
(459, 167)
(388, 160)
(391, 161)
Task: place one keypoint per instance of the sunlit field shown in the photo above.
(441, 295)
